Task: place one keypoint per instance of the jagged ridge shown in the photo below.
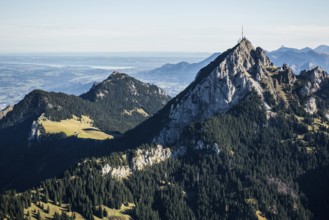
(224, 83)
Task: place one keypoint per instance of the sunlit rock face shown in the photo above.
(217, 87)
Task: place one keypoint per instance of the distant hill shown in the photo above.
(173, 78)
(46, 127)
(322, 49)
(299, 60)
(117, 104)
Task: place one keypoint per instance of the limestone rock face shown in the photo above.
(310, 106)
(35, 133)
(314, 78)
(216, 88)
(149, 157)
(121, 172)
(142, 158)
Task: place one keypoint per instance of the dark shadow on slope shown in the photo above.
(315, 185)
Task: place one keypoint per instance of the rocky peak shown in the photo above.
(116, 75)
(316, 75)
(314, 78)
(245, 59)
(245, 54)
(242, 55)
(217, 87)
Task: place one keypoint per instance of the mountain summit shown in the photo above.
(217, 87)
(226, 81)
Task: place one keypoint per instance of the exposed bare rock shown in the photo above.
(4, 112)
(310, 106)
(142, 158)
(136, 110)
(286, 76)
(314, 78)
(120, 172)
(149, 157)
(35, 133)
(305, 90)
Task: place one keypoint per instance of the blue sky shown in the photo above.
(151, 25)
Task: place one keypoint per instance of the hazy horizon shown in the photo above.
(37, 26)
(129, 53)
(111, 53)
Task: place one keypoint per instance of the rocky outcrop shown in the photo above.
(136, 110)
(286, 76)
(5, 111)
(35, 133)
(120, 172)
(310, 106)
(142, 158)
(313, 80)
